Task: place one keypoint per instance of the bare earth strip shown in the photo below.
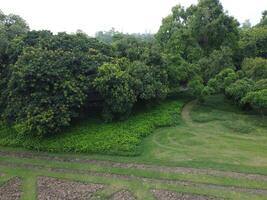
(54, 189)
(169, 195)
(11, 190)
(148, 180)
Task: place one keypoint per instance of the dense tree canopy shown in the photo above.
(47, 80)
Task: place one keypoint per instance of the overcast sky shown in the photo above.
(124, 15)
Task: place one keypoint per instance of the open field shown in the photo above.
(214, 152)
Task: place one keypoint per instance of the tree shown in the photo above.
(202, 38)
(239, 89)
(263, 21)
(256, 68)
(45, 91)
(11, 27)
(253, 43)
(211, 26)
(148, 82)
(196, 87)
(217, 61)
(246, 24)
(114, 86)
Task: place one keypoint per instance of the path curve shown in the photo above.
(186, 112)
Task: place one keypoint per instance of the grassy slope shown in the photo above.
(93, 135)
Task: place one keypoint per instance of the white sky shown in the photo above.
(124, 15)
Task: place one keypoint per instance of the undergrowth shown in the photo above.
(94, 136)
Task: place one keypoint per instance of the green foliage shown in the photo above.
(239, 89)
(44, 91)
(114, 86)
(257, 99)
(211, 26)
(47, 80)
(217, 61)
(122, 83)
(129, 47)
(149, 82)
(253, 43)
(263, 22)
(260, 85)
(196, 87)
(221, 81)
(199, 39)
(95, 136)
(255, 68)
(11, 27)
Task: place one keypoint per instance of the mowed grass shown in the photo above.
(220, 136)
(217, 134)
(213, 134)
(92, 135)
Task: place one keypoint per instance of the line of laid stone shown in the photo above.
(157, 168)
(131, 177)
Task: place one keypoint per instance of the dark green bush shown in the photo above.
(95, 136)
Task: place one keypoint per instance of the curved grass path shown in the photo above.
(186, 112)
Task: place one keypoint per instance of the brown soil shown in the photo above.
(11, 190)
(56, 189)
(169, 195)
(149, 180)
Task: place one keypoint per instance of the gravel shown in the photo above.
(57, 189)
(169, 195)
(11, 190)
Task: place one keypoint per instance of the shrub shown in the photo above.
(95, 136)
(239, 89)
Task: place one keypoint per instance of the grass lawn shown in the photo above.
(211, 135)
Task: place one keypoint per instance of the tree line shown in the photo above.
(47, 80)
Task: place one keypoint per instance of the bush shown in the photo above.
(257, 99)
(256, 68)
(95, 136)
(239, 89)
